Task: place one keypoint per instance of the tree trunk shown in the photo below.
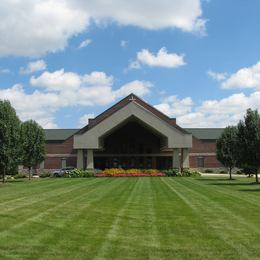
(3, 180)
(30, 173)
(230, 173)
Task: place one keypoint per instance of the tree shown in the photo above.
(249, 142)
(227, 148)
(32, 144)
(9, 139)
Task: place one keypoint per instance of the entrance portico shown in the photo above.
(132, 134)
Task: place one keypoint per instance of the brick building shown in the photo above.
(132, 134)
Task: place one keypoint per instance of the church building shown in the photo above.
(131, 134)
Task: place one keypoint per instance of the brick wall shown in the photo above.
(66, 148)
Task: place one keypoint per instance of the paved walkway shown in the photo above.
(224, 175)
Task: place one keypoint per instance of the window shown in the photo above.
(200, 162)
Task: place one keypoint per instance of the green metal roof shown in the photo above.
(59, 134)
(205, 133)
(200, 133)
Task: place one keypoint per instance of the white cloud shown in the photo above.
(140, 88)
(85, 43)
(35, 27)
(84, 119)
(181, 14)
(217, 76)
(37, 106)
(34, 66)
(173, 106)
(61, 89)
(210, 113)
(244, 78)
(57, 81)
(161, 59)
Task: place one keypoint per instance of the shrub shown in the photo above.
(189, 173)
(44, 175)
(20, 176)
(223, 172)
(177, 173)
(208, 171)
(172, 172)
(77, 173)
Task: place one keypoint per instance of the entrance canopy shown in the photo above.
(171, 135)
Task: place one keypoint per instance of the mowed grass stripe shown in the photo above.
(67, 224)
(184, 228)
(44, 202)
(222, 221)
(99, 223)
(33, 188)
(134, 233)
(230, 188)
(225, 203)
(129, 218)
(38, 225)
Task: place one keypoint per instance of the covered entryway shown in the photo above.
(133, 144)
(132, 135)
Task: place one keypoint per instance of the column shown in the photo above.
(80, 159)
(90, 159)
(42, 165)
(63, 163)
(175, 158)
(186, 159)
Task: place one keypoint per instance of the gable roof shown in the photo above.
(122, 103)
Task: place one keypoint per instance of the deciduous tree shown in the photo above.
(9, 139)
(249, 142)
(32, 144)
(227, 148)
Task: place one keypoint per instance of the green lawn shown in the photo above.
(130, 218)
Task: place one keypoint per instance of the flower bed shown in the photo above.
(118, 172)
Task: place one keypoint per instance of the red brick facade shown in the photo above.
(60, 152)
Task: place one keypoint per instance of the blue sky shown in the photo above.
(62, 62)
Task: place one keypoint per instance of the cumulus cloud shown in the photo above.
(173, 106)
(34, 66)
(60, 89)
(84, 119)
(210, 113)
(161, 59)
(38, 106)
(140, 88)
(35, 27)
(85, 43)
(181, 14)
(244, 78)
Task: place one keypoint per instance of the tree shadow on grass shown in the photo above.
(215, 179)
(233, 184)
(252, 190)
